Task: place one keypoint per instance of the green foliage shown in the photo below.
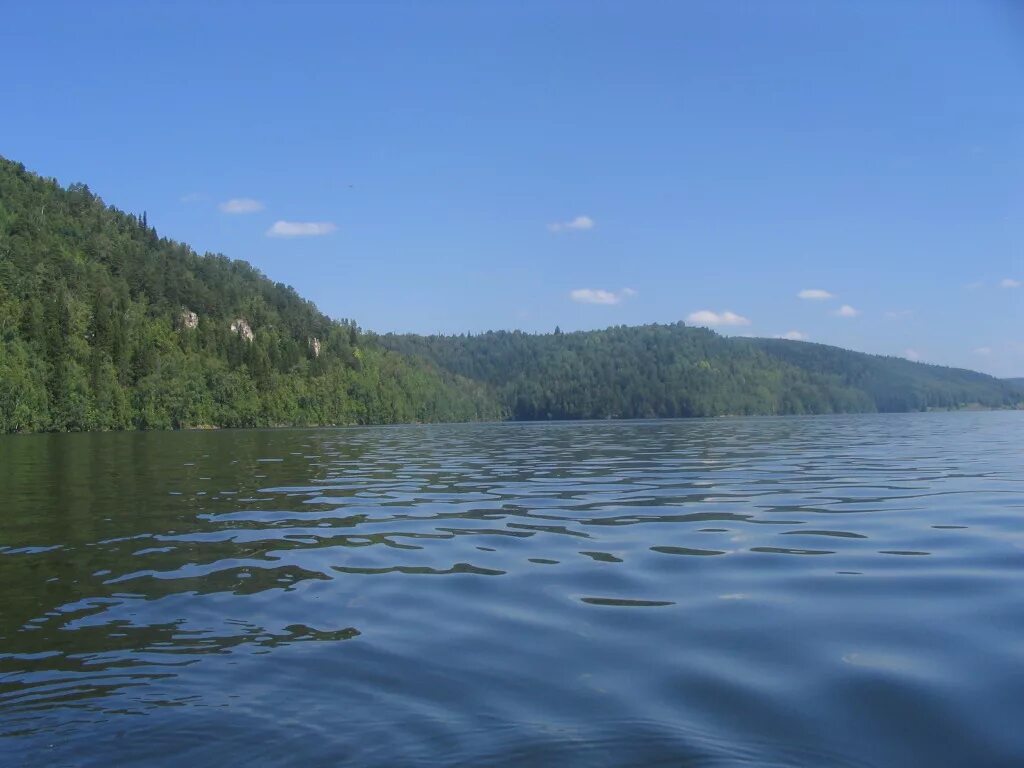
(94, 333)
(673, 370)
(893, 383)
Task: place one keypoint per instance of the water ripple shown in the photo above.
(820, 591)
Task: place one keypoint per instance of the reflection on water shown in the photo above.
(820, 591)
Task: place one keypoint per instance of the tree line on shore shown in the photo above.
(675, 371)
(106, 325)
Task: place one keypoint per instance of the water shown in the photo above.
(842, 591)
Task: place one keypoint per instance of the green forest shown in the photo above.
(674, 370)
(107, 325)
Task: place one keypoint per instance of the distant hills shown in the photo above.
(674, 370)
(105, 324)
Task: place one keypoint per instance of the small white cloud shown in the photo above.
(815, 294)
(1009, 282)
(793, 336)
(975, 285)
(300, 228)
(847, 311)
(579, 223)
(899, 314)
(192, 197)
(241, 205)
(594, 296)
(601, 296)
(983, 351)
(912, 355)
(707, 317)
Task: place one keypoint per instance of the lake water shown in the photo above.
(832, 591)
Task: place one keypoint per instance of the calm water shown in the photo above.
(840, 591)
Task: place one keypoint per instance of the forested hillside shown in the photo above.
(673, 370)
(894, 383)
(104, 324)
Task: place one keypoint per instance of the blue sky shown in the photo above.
(459, 166)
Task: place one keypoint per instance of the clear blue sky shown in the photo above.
(459, 166)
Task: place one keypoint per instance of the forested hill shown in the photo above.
(104, 324)
(674, 370)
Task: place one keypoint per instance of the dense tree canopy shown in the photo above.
(104, 324)
(673, 370)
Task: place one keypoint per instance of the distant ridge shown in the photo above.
(675, 370)
(104, 324)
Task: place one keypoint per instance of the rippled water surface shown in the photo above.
(842, 591)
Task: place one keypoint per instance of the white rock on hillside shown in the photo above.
(243, 329)
(188, 320)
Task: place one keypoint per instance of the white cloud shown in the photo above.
(579, 223)
(898, 314)
(847, 311)
(1009, 282)
(984, 351)
(600, 296)
(793, 336)
(593, 296)
(912, 354)
(241, 205)
(192, 197)
(815, 294)
(300, 228)
(707, 317)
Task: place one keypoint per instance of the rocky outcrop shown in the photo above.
(188, 320)
(243, 329)
(315, 346)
